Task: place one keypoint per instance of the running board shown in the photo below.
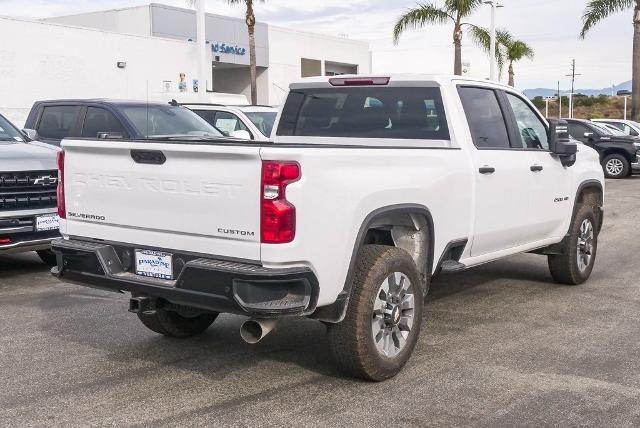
(451, 266)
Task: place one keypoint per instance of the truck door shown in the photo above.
(550, 201)
(502, 173)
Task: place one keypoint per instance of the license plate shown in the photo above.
(47, 222)
(154, 264)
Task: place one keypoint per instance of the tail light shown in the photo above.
(277, 215)
(62, 208)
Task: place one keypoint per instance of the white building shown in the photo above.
(146, 52)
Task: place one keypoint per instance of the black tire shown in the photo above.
(172, 324)
(48, 257)
(621, 172)
(352, 341)
(565, 267)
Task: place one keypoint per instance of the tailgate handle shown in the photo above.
(153, 157)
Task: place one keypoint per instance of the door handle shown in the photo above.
(152, 157)
(536, 168)
(486, 170)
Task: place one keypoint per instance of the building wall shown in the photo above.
(134, 20)
(56, 61)
(287, 48)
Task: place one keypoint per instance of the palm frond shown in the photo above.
(462, 8)
(597, 10)
(482, 38)
(518, 50)
(425, 13)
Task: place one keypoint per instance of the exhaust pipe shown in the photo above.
(253, 331)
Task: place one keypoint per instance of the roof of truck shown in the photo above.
(438, 78)
(102, 101)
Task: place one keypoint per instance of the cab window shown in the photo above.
(99, 121)
(57, 122)
(228, 122)
(531, 129)
(485, 118)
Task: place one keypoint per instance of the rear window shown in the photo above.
(365, 112)
(57, 121)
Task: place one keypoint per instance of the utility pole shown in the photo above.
(559, 102)
(492, 49)
(573, 81)
(204, 70)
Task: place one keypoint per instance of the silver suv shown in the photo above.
(28, 184)
(244, 122)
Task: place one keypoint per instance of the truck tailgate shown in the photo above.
(204, 198)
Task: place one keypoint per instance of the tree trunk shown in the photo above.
(457, 42)
(251, 25)
(635, 100)
(511, 75)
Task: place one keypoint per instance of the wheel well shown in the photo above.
(620, 152)
(408, 230)
(592, 195)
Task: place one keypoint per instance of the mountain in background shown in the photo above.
(545, 92)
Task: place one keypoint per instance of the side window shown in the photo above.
(208, 115)
(99, 120)
(577, 131)
(57, 121)
(531, 129)
(485, 118)
(228, 122)
(630, 131)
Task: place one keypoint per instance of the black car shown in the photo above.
(618, 153)
(55, 120)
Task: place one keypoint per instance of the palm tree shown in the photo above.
(508, 49)
(595, 12)
(250, 19)
(428, 13)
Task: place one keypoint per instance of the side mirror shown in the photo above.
(31, 134)
(588, 135)
(560, 142)
(241, 134)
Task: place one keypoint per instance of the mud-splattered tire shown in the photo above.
(382, 324)
(579, 249)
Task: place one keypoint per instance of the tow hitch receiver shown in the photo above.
(142, 305)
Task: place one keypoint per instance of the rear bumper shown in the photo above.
(205, 283)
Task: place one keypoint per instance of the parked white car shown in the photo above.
(244, 122)
(370, 188)
(629, 127)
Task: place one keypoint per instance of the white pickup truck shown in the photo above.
(370, 187)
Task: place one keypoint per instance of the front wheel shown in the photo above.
(579, 249)
(382, 323)
(616, 166)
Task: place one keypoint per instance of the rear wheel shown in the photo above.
(579, 249)
(173, 324)
(48, 257)
(382, 325)
(616, 166)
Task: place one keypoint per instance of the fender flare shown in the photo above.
(581, 187)
(336, 311)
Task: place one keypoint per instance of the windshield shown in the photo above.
(157, 121)
(604, 130)
(8, 132)
(263, 120)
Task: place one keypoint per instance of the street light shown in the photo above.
(492, 49)
(625, 94)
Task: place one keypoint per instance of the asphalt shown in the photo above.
(501, 345)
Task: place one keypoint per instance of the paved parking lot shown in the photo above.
(501, 345)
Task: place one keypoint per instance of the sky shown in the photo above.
(551, 27)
